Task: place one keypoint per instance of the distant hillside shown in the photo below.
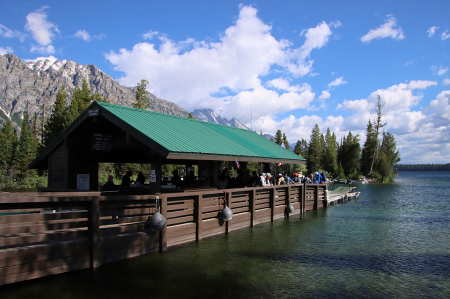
(423, 167)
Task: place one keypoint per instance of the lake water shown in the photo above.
(392, 242)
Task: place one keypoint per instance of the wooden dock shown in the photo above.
(50, 233)
(340, 194)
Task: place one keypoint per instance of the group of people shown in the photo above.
(266, 179)
(126, 181)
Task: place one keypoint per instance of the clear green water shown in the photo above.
(392, 242)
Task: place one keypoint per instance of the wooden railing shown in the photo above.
(42, 235)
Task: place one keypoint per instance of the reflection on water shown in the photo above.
(391, 242)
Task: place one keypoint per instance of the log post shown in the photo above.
(304, 198)
(252, 196)
(163, 233)
(198, 218)
(288, 198)
(272, 204)
(316, 197)
(228, 201)
(94, 231)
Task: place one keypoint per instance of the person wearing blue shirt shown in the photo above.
(320, 179)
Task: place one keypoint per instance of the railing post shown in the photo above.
(94, 231)
(163, 233)
(316, 197)
(288, 198)
(252, 196)
(227, 223)
(198, 218)
(304, 198)
(272, 204)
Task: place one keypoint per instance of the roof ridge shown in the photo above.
(170, 115)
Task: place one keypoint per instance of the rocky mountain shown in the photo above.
(209, 116)
(26, 86)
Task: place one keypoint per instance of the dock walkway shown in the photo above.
(341, 194)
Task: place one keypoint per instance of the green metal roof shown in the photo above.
(179, 135)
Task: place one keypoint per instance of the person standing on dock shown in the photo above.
(126, 179)
(320, 179)
(109, 185)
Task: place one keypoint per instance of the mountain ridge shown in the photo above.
(25, 86)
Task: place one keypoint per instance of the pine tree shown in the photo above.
(383, 166)
(191, 116)
(142, 96)
(26, 150)
(58, 120)
(286, 143)
(349, 154)
(279, 137)
(8, 145)
(369, 148)
(330, 154)
(378, 126)
(314, 158)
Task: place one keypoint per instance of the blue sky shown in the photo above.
(273, 65)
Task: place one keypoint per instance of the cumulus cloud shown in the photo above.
(42, 50)
(337, 82)
(432, 31)
(83, 35)
(150, 34)
(284, 85)
(8, 33)
(41, 30)
(6, 50)
(445, 82)
(445, 35)
(388, 29)
(325, 95)
(442, 70)
(226, 73)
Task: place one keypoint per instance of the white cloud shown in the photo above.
(325, 95)
(284, 85)
(337, 82)
(51, 58)
(205, 74)
(442, 70)
(83, 34)
(445, 35)
(388, 29)
(8, 33)
(432, 31)
(42, 50)
(41, 30)
(263, 102)
(150, 34)
(397, 98)
(6, 50)
(440, 109)
(445, 82)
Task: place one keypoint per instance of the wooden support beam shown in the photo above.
(252, 196)
(316, 197)
(272, 204)
(228, 201)
(94, 231)
(163, 233)
(304, 198)
(198, 217)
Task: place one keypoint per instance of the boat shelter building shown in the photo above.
(110, 133)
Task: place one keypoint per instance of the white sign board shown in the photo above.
(82, 181)
(153, 178)
(153, 171)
